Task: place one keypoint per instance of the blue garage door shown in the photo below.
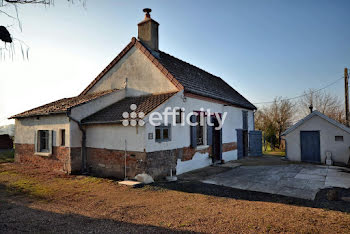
(310, 146)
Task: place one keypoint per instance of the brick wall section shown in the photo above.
(229, 146)
(110, 163)
(59, 160)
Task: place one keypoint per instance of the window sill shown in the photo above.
(43, 154)
(202, 147)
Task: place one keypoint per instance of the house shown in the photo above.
(109, 128)
(314, 137)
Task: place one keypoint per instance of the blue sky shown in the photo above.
(262, 48)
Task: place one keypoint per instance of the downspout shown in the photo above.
(83, 142)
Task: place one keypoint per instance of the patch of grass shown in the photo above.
(7, 156)
(153, 188)
(29, 187)
(274, 152)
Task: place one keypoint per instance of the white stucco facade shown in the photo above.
(26, 128)
(142, 75)
(328, 131)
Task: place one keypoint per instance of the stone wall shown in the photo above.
(59, 160)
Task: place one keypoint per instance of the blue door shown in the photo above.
(310, 146)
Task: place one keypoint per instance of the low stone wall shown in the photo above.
(59, 160)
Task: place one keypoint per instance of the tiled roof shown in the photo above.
(114, 112)
(62, 105)
(200, 82)
(184, 76)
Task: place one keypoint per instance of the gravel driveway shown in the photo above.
(293, 180)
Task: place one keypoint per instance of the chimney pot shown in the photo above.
(311, 107)
(147, 11)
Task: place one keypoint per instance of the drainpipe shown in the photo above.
(83, 142)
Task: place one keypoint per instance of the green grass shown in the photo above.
(275, 152)
(7, 156)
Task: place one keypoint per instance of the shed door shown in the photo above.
(310, 146)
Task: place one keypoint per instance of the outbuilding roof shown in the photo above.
(319, 114)
(62, 105)
(114, 112)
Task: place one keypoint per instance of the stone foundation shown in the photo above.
(110, 163)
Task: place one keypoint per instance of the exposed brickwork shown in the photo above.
(59, 160)
(229, 146)
(106, 162)
(189, 152)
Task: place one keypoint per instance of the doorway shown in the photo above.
(217, 142)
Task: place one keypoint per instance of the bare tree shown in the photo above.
(9, 9)
(274, 119)
(324, 102)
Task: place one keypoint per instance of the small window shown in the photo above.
(339, 138)
(162, 133)
(200, 132)
(43, 141)
(63, 137)
(179, 118)
(245, 119)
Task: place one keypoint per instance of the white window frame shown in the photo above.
(205, 136)
(37, 143)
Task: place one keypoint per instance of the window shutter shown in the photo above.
(245, 119)
(220, 153)
(36, 134)
(50, 141)
(210, 131)
(193, 132)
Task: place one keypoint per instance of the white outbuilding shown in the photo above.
(316, 138)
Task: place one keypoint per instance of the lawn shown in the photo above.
(6, 156)
(274, 152)
(35, 200)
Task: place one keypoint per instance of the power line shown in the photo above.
(300, 96)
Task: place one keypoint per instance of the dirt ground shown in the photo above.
(33, 200)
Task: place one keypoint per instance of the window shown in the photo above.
(179, 118)
(162, 133)
(44, 141)
(200, 132)
(245, 119)
(339, 138)
(63, 137)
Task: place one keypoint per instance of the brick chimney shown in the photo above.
(148, 31)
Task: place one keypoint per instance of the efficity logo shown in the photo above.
(170, 116)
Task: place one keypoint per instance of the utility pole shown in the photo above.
(346, 78)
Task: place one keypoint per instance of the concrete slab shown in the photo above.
(295, 180)
(310, 177)
(129, 183)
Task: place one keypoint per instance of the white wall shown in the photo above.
(113, 136)
(340, 150)
(141, 73)
(25, 128)
(180, 135)
(89, 108)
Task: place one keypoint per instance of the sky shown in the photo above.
(262, 48)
